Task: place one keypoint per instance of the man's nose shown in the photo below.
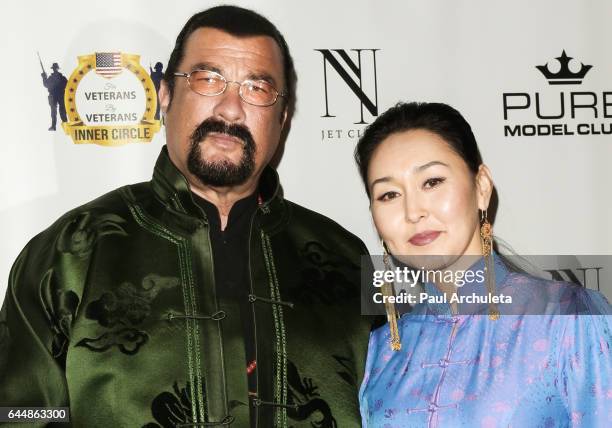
(230, 106)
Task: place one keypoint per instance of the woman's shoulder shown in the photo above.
(536, 296)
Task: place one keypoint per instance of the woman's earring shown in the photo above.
(392, 314)
(486, 239)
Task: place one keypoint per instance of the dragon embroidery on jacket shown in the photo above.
(175, 409)
(171, 409)
(348, 373)
(81, 233)
(326, 278)
(60, 307)
(303, 394)
(122, 310)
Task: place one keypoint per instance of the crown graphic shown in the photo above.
(565, 76)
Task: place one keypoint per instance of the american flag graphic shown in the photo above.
(108, 64)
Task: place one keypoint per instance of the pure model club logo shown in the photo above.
(564, 76)
(559, 113)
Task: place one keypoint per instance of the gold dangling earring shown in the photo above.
(486, 239)
(392, 314)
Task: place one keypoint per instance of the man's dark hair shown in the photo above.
(238, 22)
(441, 119)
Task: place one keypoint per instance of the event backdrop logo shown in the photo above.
(109, 99)
(564, 76)
(357, 80)
(590, 279)
(558, 112)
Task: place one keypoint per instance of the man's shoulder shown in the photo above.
(307, 217)
(77, 231)
(311, 221)
(111, 207)
(117, 200)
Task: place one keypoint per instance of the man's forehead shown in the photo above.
(209, 44)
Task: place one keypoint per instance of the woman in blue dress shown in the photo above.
(542, 361)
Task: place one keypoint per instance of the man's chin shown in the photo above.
(220, 174)
(219, 161)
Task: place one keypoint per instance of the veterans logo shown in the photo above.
(556, 110)
(111, 100)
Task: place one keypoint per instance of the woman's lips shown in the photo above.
(424, 238)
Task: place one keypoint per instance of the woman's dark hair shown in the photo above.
(441, 119)
(444, 121)
(239, 22)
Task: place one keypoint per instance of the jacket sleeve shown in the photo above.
(30, 374)
(41, 303)
(32, 357)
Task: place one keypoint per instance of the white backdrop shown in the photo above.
(554, 195)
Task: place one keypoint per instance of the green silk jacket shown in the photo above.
(113, 312)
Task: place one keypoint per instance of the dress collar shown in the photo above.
(475, 286)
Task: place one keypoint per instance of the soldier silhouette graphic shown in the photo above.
(156, 77)
(55, 84)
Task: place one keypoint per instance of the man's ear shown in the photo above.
(283, 117)
(164, 97)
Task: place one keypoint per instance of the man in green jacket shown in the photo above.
(203, 297)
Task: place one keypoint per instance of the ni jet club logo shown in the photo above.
(109, 99)
(590, 276)
(350, 88)
(560, 108)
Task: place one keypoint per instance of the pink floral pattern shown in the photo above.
(549, 370)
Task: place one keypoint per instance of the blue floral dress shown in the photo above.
(550, 369)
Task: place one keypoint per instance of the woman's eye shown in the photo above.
(387, 196)
(433, 182)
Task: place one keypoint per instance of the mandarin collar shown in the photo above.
(173, 190)
(470, 287)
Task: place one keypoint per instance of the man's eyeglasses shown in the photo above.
(210, 83)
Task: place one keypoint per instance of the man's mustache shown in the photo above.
(233, 129)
